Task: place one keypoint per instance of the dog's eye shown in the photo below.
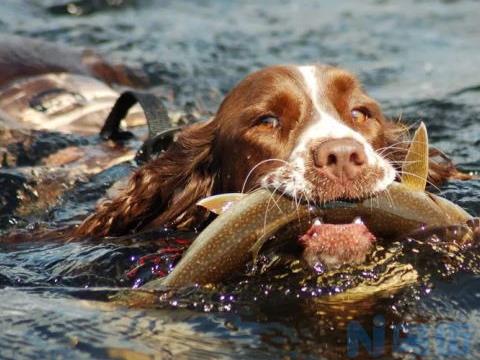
(271, 121)
(360, 115)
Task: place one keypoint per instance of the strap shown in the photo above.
(155, 113)
(160, 132)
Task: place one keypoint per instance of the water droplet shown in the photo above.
(319, 267)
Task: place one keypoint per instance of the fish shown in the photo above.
(246, 221)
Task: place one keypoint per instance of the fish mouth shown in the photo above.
(328, 246)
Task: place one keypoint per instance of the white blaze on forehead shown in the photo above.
(310, 77)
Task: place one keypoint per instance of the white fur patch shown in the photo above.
(309, 73)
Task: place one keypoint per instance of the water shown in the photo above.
(418, 58)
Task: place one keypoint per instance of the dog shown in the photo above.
(308, 132)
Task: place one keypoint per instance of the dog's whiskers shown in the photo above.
(256, 166)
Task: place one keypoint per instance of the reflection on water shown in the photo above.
(56, 297)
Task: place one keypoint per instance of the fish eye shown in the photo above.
(269, 120)
(360, 115)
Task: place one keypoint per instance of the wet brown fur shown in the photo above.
(151, 192)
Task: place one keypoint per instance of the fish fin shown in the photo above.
(415, 166)
(255, 249)
(218, 204)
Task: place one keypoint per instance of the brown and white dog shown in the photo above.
(309, 132)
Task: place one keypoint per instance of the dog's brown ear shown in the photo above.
(163, 191)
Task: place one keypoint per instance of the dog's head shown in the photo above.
(304, 131)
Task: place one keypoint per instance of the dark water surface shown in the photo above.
(419, 58)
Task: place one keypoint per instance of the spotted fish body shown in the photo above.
(399, 211)
(226, 244)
